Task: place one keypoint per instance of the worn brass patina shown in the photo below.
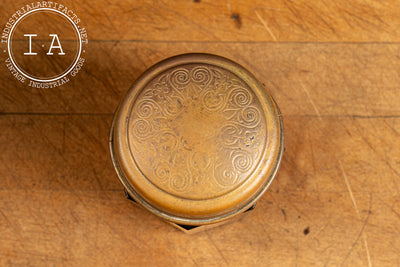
(197, 139)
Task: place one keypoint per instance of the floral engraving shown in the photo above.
(197, 131)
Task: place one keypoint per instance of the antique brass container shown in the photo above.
(196, 140)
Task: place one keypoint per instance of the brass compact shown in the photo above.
(196, 140)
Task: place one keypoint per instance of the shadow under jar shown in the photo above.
(196, 140)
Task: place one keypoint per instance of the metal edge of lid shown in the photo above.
(215, 217)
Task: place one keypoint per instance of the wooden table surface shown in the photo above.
(332, 66)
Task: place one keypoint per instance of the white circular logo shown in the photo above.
(44, 44)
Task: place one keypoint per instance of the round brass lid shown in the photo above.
(197, 139)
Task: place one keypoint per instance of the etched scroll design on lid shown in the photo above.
(197, 132)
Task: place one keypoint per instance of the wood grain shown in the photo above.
(333, 69)
(71, 231)
(234, 21)
(61, 185)
(305, 79)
